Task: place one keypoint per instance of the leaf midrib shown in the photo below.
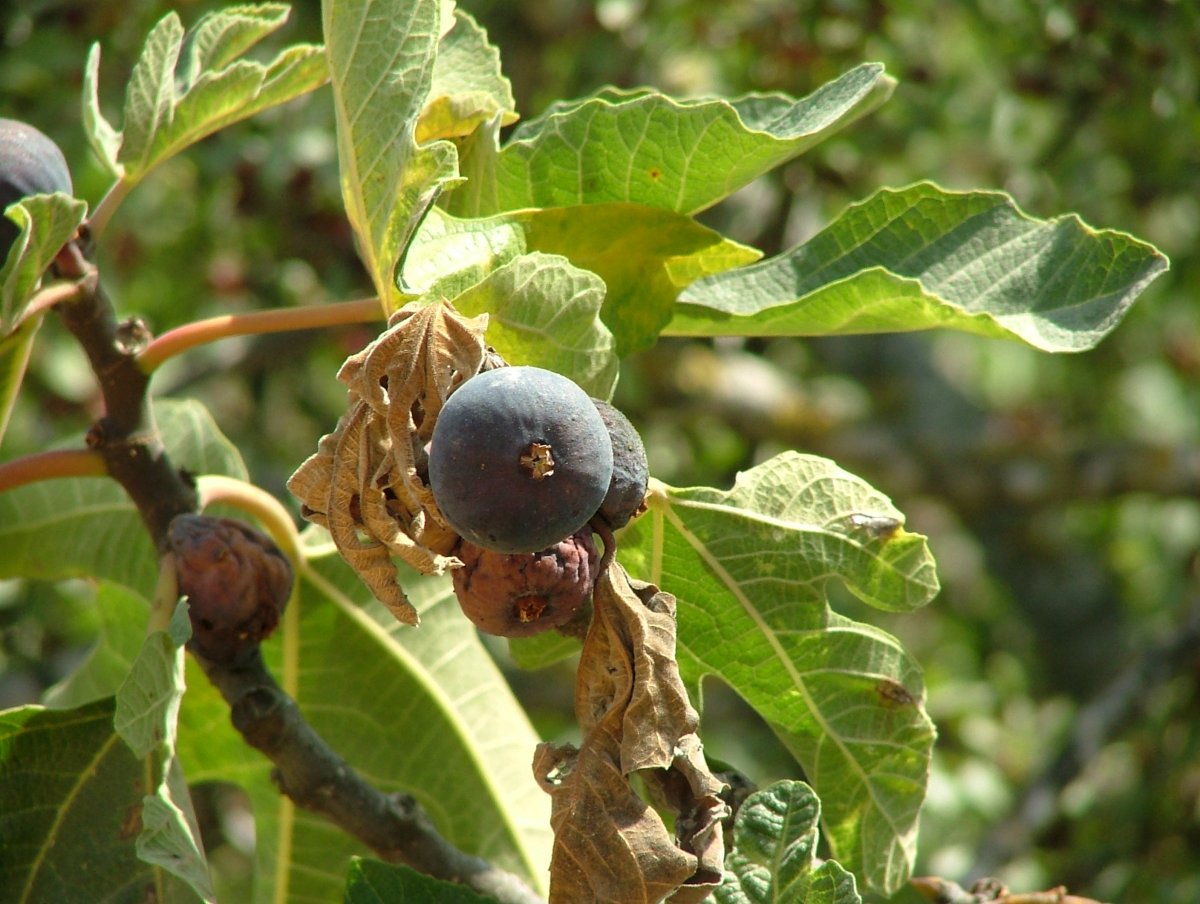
(781, 655)
(85, 775)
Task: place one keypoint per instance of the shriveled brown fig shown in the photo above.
(522, 594)
(237, 583)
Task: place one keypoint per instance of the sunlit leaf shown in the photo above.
(682, 155)
(104, 140)
(468, 87)
(922, 257)
(147, 711)
(150, 94)
(14, 359)
(220, 37)
(185, 87)
(751, 568)
(381, 58)
(546, 312)
(774, 856)
(644, 255)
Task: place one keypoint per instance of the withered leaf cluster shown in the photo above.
(366, 483)
(638, 726)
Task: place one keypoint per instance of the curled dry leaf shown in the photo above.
(609, 844)
(367, 481)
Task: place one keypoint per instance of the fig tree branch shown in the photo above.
(125, 444)
(125, 436)
(317, 779)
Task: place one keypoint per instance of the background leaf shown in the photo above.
(381, 56)
(122, 615)
(645, 148)
(372, 882)
(922, 257)
(751, 568)
(70, 796)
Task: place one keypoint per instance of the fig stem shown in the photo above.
(279, 320)
(49, 465)
(107, 206)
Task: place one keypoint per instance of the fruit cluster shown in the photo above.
(521, 464)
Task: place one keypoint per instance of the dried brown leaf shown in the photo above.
(365, 483)
(609, 844)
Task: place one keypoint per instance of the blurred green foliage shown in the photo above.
(1060, 493)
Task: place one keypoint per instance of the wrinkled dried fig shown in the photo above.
(521, 594)
(236, 580)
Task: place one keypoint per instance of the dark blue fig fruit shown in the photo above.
(520, 459)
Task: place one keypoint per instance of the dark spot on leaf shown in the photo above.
(892, 693)
(131, 823)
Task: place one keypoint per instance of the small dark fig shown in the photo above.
(519, 459)
(30, 164)
(519, 595)
(626, 495)
(236, 580)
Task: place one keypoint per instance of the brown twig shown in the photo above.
(317, 779)
(126, 436)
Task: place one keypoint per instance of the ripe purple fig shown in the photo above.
(626, 496)
(519, 459)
